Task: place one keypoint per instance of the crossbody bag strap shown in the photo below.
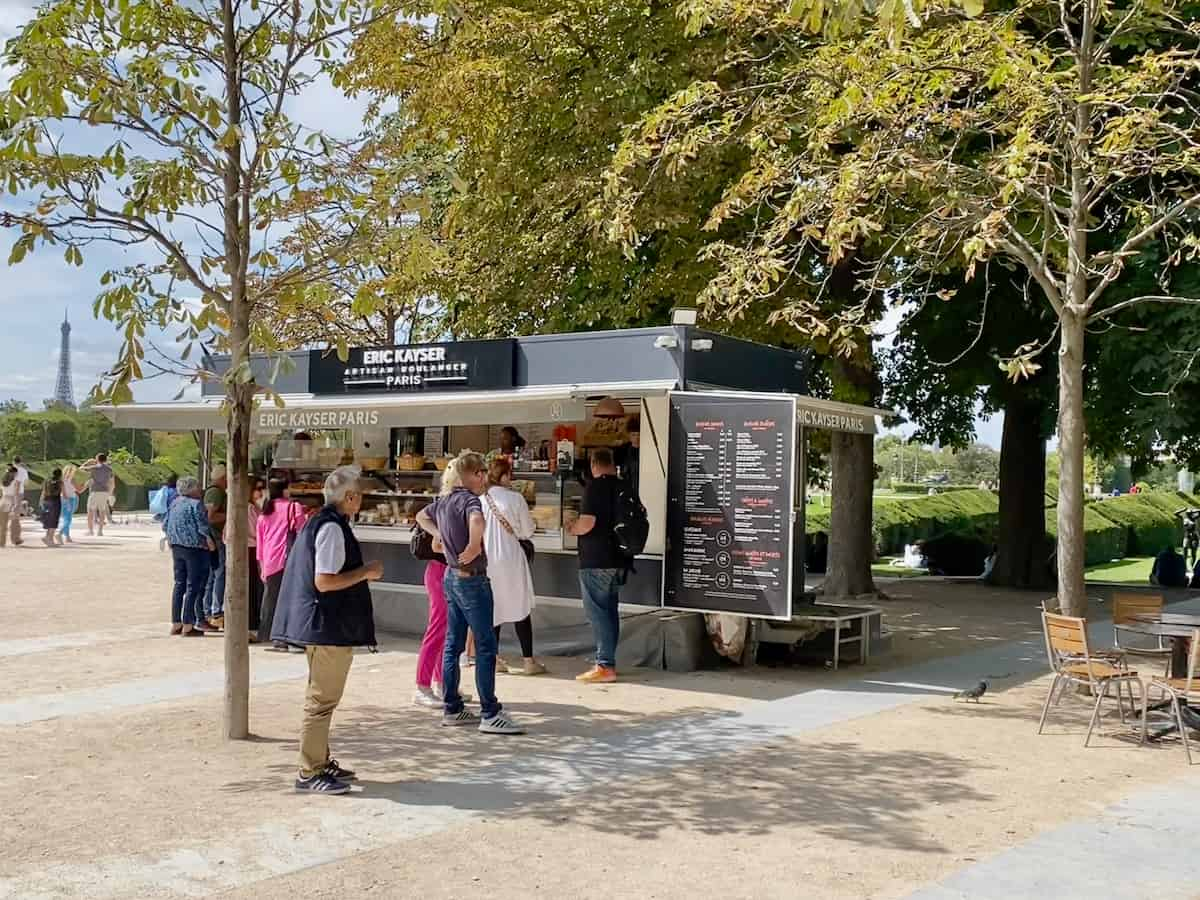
(499, 515)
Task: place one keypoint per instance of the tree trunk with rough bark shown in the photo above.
(851, 542)
(1022, 547)
(239, 397)
(1072, 596)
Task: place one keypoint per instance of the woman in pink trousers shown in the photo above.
(429, 658)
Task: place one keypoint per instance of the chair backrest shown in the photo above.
(1193, 672)
(1065, 636)
(1126, 607)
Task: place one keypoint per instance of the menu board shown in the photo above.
(730, 498)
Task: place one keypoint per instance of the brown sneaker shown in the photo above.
(176, 629)
(530, 667)
(598, 675)
(217, 622)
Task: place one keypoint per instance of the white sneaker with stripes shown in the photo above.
(500, 724)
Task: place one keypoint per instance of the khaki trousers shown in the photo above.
(327, 671)
(10, 520)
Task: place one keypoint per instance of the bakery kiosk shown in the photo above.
(709, 428)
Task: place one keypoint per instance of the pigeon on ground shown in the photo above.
(973, 693)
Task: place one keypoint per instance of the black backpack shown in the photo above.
(631, 525)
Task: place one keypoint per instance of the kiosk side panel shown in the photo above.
(730, 515)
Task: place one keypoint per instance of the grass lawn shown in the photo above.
(889, 571)
(1130, 570)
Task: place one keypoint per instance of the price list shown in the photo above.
(729, 523)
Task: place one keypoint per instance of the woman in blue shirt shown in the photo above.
(187, 531)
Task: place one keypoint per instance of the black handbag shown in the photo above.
(421, 544)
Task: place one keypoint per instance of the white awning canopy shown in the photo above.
(542, 403)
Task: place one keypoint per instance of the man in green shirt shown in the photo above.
(215, 504)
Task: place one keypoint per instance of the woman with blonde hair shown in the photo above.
(508, 525)
(70, 502)
(456, 520)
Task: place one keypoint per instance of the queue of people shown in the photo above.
(313, 595)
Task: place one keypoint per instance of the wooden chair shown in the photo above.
(1125, 609)
(1179, 691)
(1074, 663)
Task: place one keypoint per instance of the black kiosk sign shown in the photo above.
(457, 366)
(730, 492)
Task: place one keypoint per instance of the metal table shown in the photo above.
(1179, 627)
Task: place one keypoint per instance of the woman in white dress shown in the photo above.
(508, 522)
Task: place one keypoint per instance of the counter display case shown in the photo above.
(393, 497)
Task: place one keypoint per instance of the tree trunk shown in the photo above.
(851, 544)
(237, 563)
(239, 396)
(1072, 597)
(1021, 545)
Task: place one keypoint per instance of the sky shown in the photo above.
(36, 294)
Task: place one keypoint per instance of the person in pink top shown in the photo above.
(257, 488)
(280, 521)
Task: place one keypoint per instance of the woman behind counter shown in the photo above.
(508, 522)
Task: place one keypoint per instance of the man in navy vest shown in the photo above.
(325, 607)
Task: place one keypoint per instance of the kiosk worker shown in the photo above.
(456, 520)
(325, 607)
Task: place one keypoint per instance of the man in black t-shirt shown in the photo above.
(601, 564)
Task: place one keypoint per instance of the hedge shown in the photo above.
(971, 513)
(908, 487)
(1104, 539)
(1148, 519)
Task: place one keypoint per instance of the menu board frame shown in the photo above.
(677, 474)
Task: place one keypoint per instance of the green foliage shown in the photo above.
(206, 173)
(516, 109)
(905, 462)
(64, 434)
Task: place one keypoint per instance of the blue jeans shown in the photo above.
(214, 595)
(601, 592)
(469, 605)
(69, 505)
(191, 575)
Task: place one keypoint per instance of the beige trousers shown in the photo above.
(327, 671)
(10, 521)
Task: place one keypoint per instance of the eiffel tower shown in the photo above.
(64, 392)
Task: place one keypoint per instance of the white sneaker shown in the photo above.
(500, 724)
(424, 697)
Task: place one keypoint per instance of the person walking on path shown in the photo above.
(51, 511)
(601, 564)
(99, 489)
(277, 527)
(10, 507)
(456, 520)
(70, 503)
(325, 607)
(508, 523)
(215, 503)
(186, 529)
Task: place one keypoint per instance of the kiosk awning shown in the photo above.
(542, 403)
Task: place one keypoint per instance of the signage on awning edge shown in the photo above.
(315, 419)
(834, 420)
